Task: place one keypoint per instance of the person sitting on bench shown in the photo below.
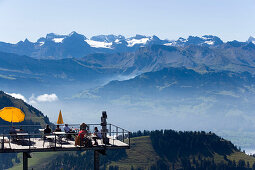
(47, 131)
(83, 133)
(68, 131)
(58, 129)
(13, 133)
(84, 141)
(98, 135)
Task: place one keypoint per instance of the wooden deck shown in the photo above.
(63, 144)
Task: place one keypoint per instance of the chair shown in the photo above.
(78, 141)
(3, 140)
(48, 138)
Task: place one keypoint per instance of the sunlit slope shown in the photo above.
(37, 161)
(140, 155)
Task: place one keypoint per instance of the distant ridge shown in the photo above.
(54, 46)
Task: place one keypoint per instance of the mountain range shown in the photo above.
(55, 46)
(99, 68)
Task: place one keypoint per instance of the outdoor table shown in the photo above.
(59, 133)
(92, 136)
(21, 135)
(50, 136)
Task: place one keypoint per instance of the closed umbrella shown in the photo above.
(12, 114)
(60, 118)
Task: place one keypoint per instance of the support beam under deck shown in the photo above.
(96, 160)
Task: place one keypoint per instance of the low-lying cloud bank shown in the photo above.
(36, 99)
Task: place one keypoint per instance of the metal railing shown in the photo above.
(117, 137)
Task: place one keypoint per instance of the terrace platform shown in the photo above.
(56, 143)
(35, 141)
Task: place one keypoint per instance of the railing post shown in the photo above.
(55, 142)
(116, 132)
(29, 142)
(110, 128)
(129, 139)
(122, 135)
(61, 141)
(3, 143)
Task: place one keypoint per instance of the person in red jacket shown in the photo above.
(83, 133)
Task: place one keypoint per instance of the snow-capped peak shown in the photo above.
(55, 37)
(98, 44)
(251, 39)
(138, 40)
(58, 40)
(133, 42)
(107, 38)
(207, 40)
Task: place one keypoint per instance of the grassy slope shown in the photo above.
(240, 155)
(142, 155)
(38, 159)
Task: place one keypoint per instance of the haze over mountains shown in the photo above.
(194, 83)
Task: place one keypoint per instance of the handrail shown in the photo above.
(89, 124)
(47, 134)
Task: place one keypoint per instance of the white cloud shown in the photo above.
(47, 98)
(18, 96)
(36, 99)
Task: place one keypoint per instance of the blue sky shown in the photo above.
(228, 19)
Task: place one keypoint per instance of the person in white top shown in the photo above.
(66, 128)
(98, 135)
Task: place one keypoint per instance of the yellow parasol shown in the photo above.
(60, 118)
(12, 114)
